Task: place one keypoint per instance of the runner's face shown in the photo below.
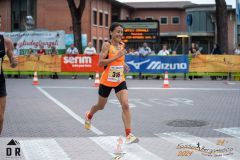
(117, 34)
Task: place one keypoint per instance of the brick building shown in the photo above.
(98, 15)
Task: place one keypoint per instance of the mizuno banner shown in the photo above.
(158, 64)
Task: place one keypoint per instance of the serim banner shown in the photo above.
(158, 64)
(80, 63)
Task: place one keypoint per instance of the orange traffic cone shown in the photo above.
(97, 82)
(35, 79)
(165, 82)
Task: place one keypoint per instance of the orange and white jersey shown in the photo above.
(113, 75)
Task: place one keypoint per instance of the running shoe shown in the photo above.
(87, 124)
(131, 139)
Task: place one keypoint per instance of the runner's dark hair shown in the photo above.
(113, 26)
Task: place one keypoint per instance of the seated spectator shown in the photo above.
(15, 50)
(29, 52)
(41, 51)
(237, 51)
(174, 53)
(53, 51)
(145, 50)
(164, 51)
(90, 50)
(72, 50)
(216, 49)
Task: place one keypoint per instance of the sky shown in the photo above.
(229, 2)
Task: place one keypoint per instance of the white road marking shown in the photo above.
(150, 88)
(180, 137)
(163, 102)
(183, 100)
(115, 101)
(133, 151)
(39, 149)
(69, 111)
(235, 132)
(139, 101)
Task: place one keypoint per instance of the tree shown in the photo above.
(76, 14)
(222, 25)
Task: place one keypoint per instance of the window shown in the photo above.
(137, 18)
(163, 20)
(95, 17)
(106, 20)
(175, 20)
(19, 12)
(149, 18)
(100, 18)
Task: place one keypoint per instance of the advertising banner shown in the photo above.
(35, 63)
(80, 63)
(215, 63)
(35, 39)
(158, 64)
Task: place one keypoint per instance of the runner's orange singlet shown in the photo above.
(113, 75)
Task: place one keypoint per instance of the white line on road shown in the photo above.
(133, 151)
(150, 88)
(69, 111)
(235, 132)
(40, 149)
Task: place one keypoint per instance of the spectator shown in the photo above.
(194, 51)
(16, 53)
(15, 50)
(174, 53)
(90, 50)
(237, 50)
(164, 51)
(54, 52)
(216, 49)
(145, 50)
(41, 51)
(30, 52)
(72, 50)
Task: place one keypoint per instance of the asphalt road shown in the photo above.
(47, 120)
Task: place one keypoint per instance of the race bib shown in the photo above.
(115, 74)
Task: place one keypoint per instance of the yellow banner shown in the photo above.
(215, 63)
(35, 63)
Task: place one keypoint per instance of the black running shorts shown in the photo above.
(3, 91)
(105, 91)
